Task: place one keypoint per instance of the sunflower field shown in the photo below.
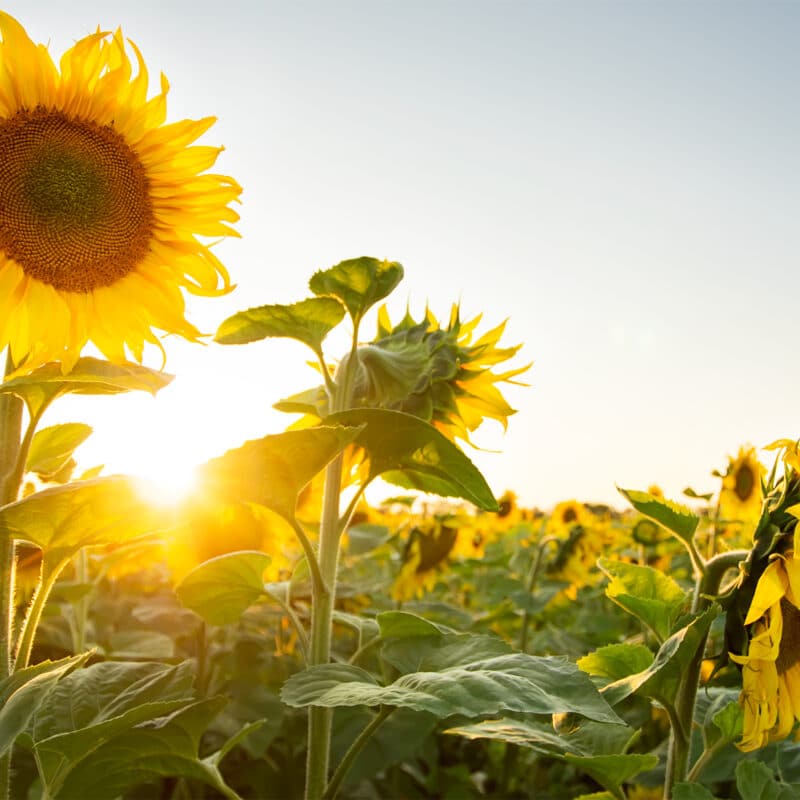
(276, 635)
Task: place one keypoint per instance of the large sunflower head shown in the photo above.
(102, 203)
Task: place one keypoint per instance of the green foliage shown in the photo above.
(398, 442)
(677, 518)
(654, 598)
(52, 448)
(222, 589)
(89, 376)
(616, 661)
(756, 782)
(358, 282)
(308, 321)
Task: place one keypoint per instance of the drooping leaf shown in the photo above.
(222, 589)
(397, 441)
(615, 661)
(164, 747)
(679, 519)
(65, 518)
(88, 376)
(655, 598)
(308, 321)
(52, 448)
(435, 653)
(24, 690)
(662, 678)
(403, 625)
(516, 682)
(358, 282)
(273, 470)
(364, 538)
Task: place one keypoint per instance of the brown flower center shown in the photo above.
(789, 650)
(569, 515)
(745, 481)
(75, 209)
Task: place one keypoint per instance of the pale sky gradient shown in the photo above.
(620, 179)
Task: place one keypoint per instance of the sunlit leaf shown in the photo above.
(308, 321)
(65, 518)
(222, 589)
(397, 441)
(273, 470)
(88, 376)
(679, 519)
(662, 678)
(135, 644)
(515, 682)
(655, 598)
(24, 690)
(358, 282)
(52, 448)
(615, 661)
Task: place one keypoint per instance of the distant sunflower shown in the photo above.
(771, 668)
(565, 516)
(428, 549)
(741, 495)
(101, 204)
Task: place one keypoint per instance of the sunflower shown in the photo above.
(102, 204)
(771, 668)
(458, 389)
(565, 516)
(428, 549)
(741, 495)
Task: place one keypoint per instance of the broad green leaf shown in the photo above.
(222, 589)
(516, 682)
(52, 448)
(65, 518)
(358, 282)
(311, 401)
(662, 678)
(308, 321)
(272, 471)
(435, 653)
(88, 376)
(755, 781)
(615, 661)
(538, 736)
(95, 705)
(691, 791)
(718, 713)
(165, 747)
(402, 625)
(397, 441)
(23, 691)
(655, 598)
(679, 519)
(364, 538)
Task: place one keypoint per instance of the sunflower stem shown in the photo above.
(533, 577)
(682, 716)
(27, 633)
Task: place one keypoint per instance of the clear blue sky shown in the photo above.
(621, 179)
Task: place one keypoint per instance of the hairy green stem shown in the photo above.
(47, 580)
(355, 748)
(707, 585)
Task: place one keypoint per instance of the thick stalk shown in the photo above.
(320, 719)
(706, 587)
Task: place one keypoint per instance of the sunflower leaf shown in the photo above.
(611, 771)
(512, 682)
(395, 441)
(88, 376)
(52, 448)
(358, 282)
(677, 518)
(655, 598)
(691, 791)
(222, 589)
(63, 519)
(615, 661)
(273, 470)
(308, 321)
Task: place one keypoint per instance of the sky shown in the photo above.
(621, 180)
